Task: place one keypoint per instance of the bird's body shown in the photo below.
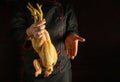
(46, 52)
(43, 46)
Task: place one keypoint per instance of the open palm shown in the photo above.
(71, 44)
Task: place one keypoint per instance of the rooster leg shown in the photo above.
(38, 67)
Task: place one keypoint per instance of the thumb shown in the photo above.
(80, 39)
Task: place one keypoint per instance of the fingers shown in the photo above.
(74, 50)
(68, 51)
(41, 27)
(71, 53)
(41, 23)
(37, 29)
(40, 33)
(71, 48)
(80, 39)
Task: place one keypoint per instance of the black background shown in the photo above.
(98, 58)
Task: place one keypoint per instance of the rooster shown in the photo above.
(43, 46)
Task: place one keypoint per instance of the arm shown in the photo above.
(18, 28)
(21, 30)
(72, 36)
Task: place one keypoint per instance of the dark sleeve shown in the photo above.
(71, 21)
(18, 28)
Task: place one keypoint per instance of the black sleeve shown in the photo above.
(19, 26)
(70, 19)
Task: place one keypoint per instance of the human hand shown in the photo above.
(36, 29)
(71, 44)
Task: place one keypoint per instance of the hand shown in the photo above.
(36, 29)
(71, 44)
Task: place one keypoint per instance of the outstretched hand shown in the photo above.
(71, 44)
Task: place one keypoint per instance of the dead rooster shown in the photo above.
(43, 46)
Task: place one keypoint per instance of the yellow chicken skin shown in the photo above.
(43, 46)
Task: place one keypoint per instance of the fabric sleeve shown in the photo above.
(18, 29)
(71, 21)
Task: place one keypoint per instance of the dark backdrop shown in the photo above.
(98, 58)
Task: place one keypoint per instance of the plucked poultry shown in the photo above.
(43, 46)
